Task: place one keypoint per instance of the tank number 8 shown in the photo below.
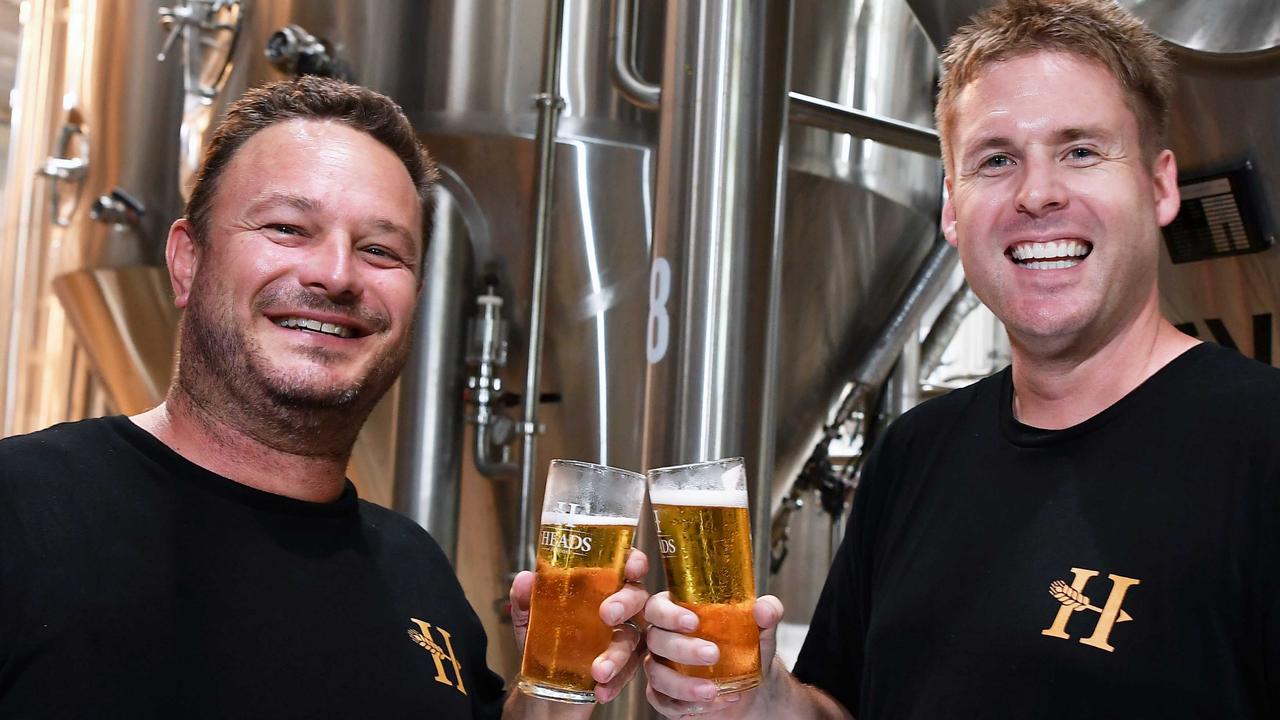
(659, 325)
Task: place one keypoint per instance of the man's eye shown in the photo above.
(1081, 153)
(282, 229)
(996, 162)
(381, 253)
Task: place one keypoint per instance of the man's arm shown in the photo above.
(675, 695)
(611, 670)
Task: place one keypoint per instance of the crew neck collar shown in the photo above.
(1025, 435)
(209, 481)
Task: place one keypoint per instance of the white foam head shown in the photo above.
(563, 518)
(698, 498)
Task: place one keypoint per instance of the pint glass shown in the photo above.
(704, 536)
(589, 517)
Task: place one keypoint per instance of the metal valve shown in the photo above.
(118, 208)
(294, 51)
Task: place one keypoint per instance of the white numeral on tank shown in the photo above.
(659, 325)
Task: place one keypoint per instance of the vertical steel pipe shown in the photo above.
(429, 436)
(722, 121)
(549, 106)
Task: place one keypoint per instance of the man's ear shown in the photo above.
(183, 258)
(948, 214)
(1164, 175)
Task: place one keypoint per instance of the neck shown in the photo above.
(1058, 388)
(253, 452)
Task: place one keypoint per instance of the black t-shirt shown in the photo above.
(1126, 567)
(135, 584)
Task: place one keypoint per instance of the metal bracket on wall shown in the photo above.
(63, 169)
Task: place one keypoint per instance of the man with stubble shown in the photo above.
(208, 558)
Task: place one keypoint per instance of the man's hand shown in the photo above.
(615, 666)
(676, 695)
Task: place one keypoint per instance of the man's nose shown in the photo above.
(330, 268)
(1041, 189)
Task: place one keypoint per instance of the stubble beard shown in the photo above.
(227, 378)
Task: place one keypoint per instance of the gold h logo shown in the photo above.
(439, 654)
(1074, 600)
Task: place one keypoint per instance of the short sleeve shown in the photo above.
(834, 650)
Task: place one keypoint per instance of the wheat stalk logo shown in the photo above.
(1070, 597)
(1076, 600)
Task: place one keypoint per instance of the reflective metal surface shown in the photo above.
(429, 448)
(126, 320)
(860, 216)
(91, 65)
(941, 18)
(1214, 26)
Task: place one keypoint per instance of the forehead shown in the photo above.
(343, 170)
(1040, 91)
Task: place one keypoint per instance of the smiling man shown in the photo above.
(1091, 532)
(208, 558)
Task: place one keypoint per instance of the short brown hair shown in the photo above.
(308, 98)
(1097, 30)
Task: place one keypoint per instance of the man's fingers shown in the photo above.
(626, 603)
(768, 613)
(616, 666)
(622, 648)
(665, 614)
(637, 566)
(521, 594)
(671, 685)
(681, 648)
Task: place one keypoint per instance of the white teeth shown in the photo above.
(1058, 249)
(1050, 264)
(315, 326)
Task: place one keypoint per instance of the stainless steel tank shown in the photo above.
(91, 103)
(860, 218)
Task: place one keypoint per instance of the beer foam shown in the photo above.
(560, 518)
(698, 498)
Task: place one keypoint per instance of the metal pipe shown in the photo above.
(549, 107)
(815, 112)
(925, 285)
(622, 69)
(496, 468)
(429, 437)
(945, 327)
(723, 111)
(777, 78)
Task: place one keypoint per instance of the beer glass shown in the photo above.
(704, 536)
(589, 517)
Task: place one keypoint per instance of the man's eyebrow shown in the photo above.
(387, 226)
(1073, 134)
(298, 202)
(988, 142)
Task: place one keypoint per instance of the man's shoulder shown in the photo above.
(941, 413)
(61, 445)
(1218, 382)
(398, 534)
(1228, 371)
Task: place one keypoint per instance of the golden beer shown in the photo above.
(580, 560)
(704, 537)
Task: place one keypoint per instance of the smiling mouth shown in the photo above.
(1053, 255)
(308, 325)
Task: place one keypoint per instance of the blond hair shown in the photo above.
(1097, 30)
